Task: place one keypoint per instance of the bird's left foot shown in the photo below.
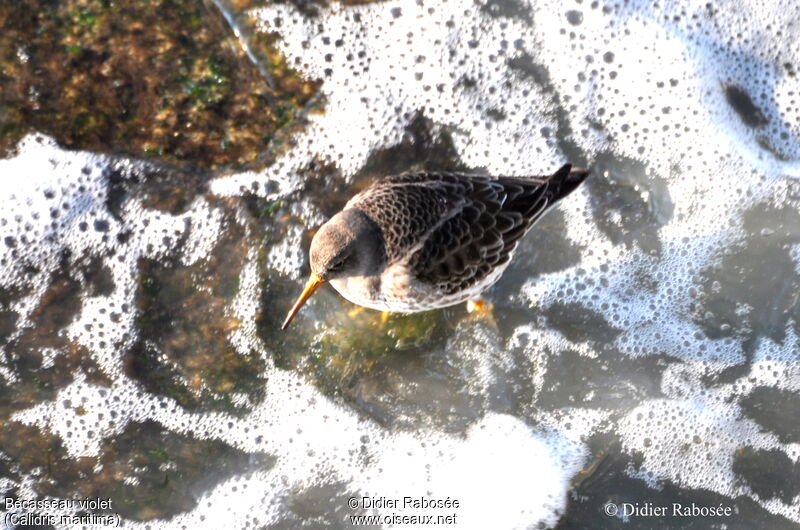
(478, 306)
(357, 311)
(480, 309)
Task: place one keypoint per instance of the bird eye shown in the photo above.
(336, 266)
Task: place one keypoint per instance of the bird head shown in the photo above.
(349, 244)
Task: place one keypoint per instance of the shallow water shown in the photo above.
(643, 348)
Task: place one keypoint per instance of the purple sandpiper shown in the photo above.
(421, 241)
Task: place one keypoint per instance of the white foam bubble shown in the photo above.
(631, 81)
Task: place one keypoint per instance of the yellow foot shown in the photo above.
(357, 310)
(478, 306)
(481, 310)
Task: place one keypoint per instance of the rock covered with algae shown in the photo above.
(149, 78)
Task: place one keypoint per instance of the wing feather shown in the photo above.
(452, 230)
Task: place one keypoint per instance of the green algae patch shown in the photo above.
(362, 341)
(339, 345)
(150, 78)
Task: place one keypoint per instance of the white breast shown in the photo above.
(396, 290)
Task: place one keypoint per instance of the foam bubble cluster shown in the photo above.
(653, 315)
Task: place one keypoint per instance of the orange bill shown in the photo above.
(314, 283)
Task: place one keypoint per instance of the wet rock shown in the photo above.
(424, 148)
(769, 406)
(147, 471)
(579, 324)
(628, 205)
(741, 102)
(546, 248)
(183, 350)
(312, 507)
(575, 380)
(96, 276)
(41, 358)
(770, 474)
(753, 292)
(607, 479)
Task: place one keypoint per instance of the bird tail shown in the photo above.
(566, 180)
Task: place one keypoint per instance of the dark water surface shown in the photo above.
(165, 168)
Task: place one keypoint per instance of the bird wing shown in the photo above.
(452, 230)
